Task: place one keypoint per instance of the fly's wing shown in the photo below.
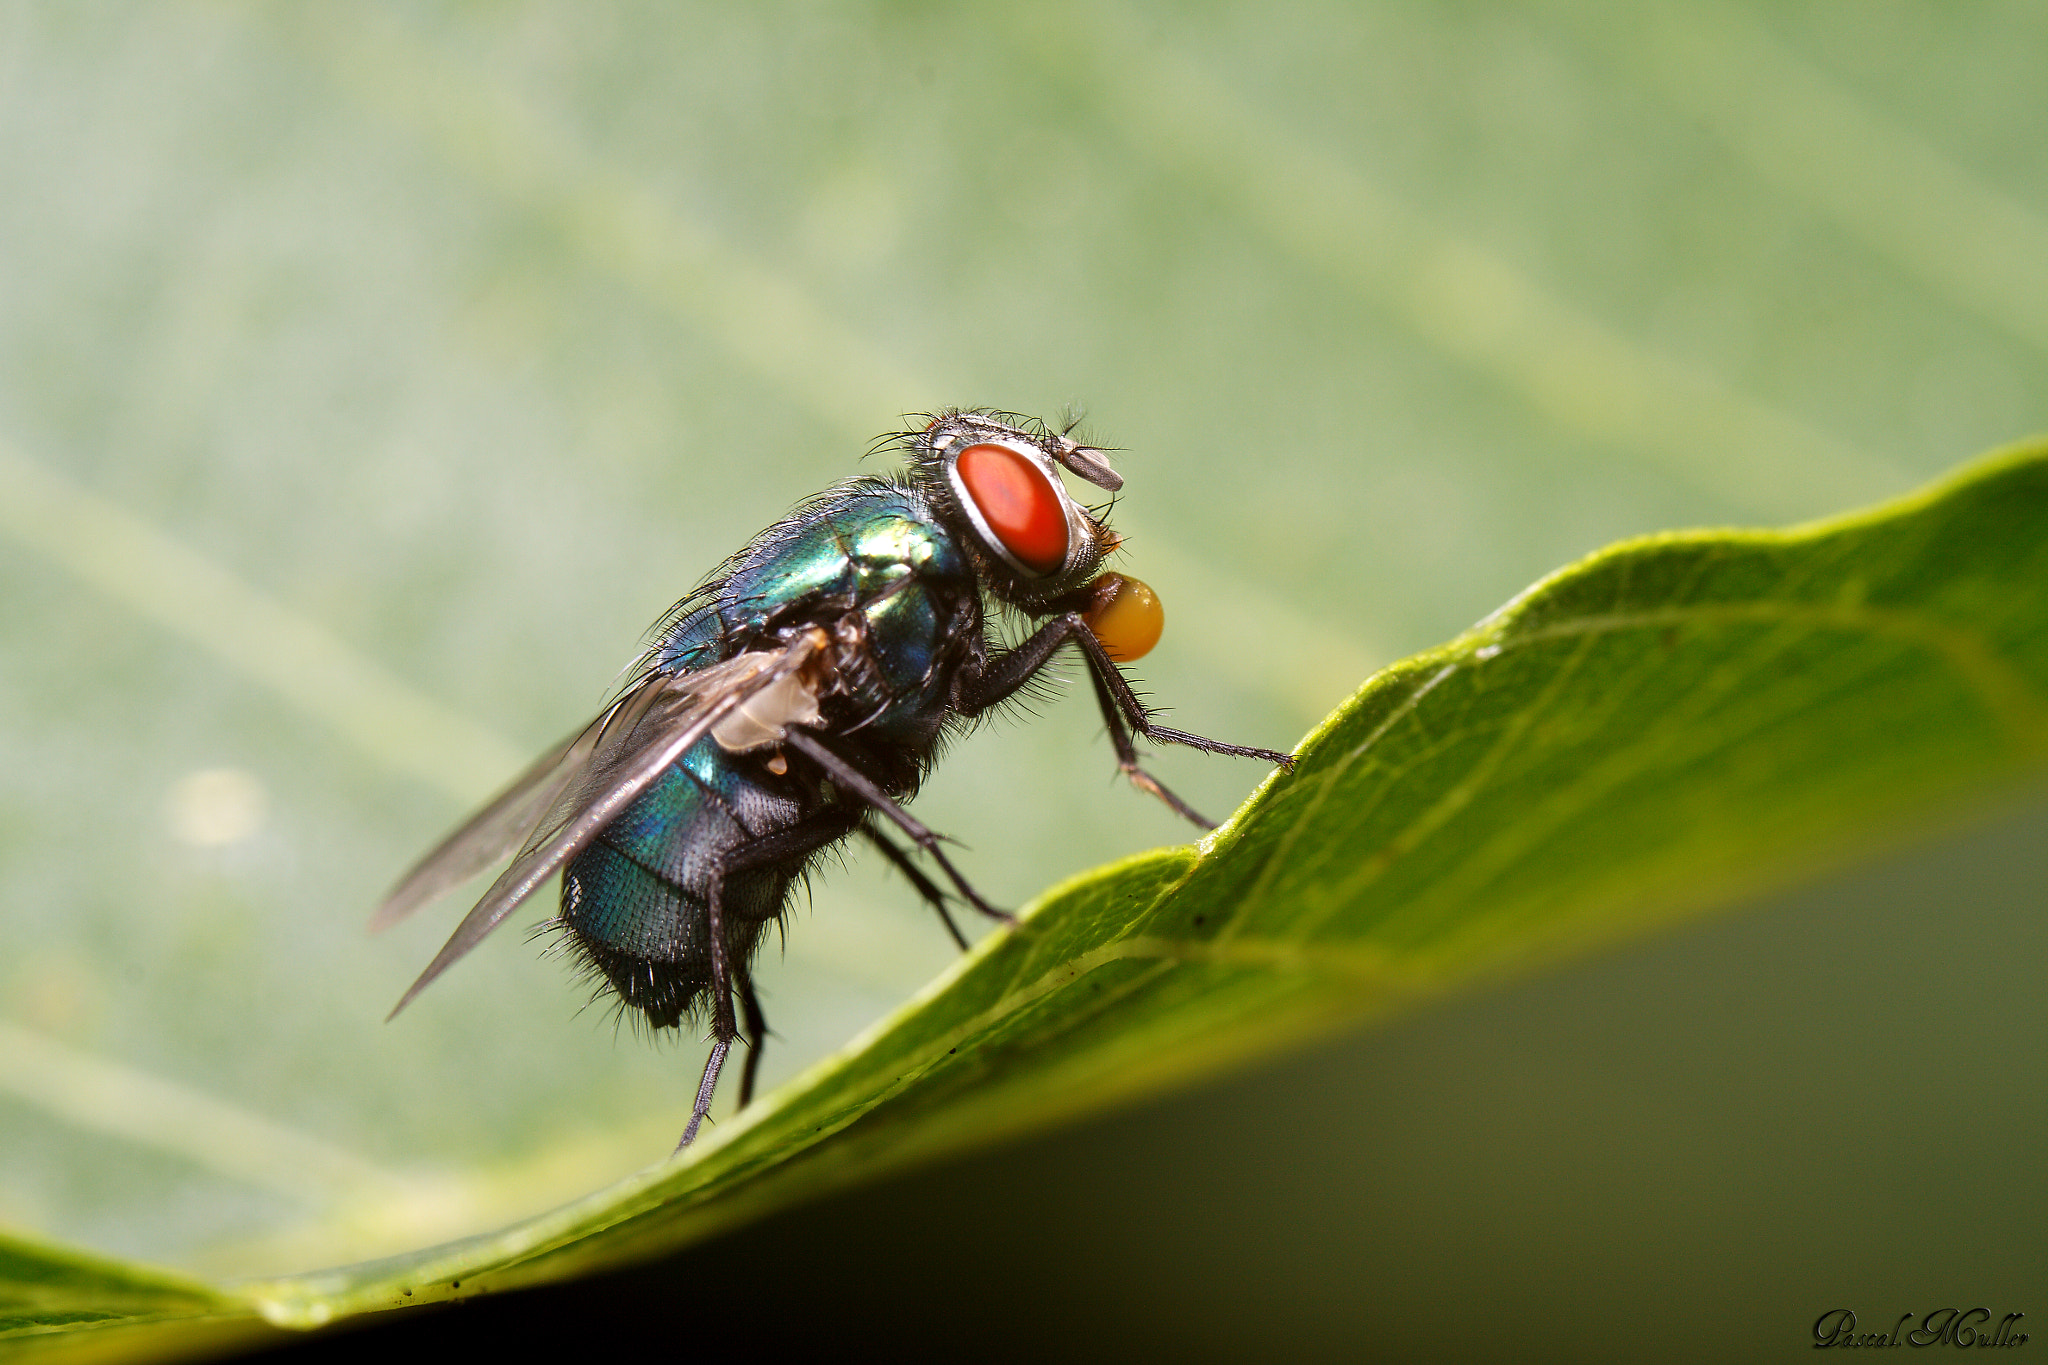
(669, 713)
(502, 827)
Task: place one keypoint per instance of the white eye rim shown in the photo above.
(1079, 535)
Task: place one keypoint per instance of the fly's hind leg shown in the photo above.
(706, 1088)
(790, 846)
(757, 1035)
(723, 1028)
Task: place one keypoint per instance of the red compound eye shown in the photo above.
(1018, 504)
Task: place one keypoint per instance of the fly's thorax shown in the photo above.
(995, 480)
(896, 658)
(912, 590)
(853, 544)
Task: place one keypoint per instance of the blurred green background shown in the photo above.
(372, 375)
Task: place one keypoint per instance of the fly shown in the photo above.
(797, 698)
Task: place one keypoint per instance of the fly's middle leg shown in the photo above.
(914, 874)
(851, 779)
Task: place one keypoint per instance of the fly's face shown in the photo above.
(1002, 480)
(999, 479)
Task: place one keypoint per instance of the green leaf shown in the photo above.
(68, 1302)
(1669, 724)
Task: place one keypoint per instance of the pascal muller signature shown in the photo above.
(1958, 1327)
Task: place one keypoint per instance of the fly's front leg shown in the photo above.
(1122, 712)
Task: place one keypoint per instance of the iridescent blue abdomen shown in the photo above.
(638, 893)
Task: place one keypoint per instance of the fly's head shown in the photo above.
(995, 478)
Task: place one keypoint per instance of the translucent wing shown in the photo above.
(564, 801)
(502, 827)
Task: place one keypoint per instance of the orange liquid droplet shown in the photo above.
(1125, 615)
